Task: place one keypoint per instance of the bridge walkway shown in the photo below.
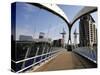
(66, 60)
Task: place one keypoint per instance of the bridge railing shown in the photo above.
(87, 52)
(31, 58)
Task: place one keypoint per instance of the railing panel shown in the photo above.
(87, 52)
(35, 60)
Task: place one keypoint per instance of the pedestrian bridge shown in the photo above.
(57, 58)
(30, 57)
(65, 60)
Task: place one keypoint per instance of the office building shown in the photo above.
(87, 31)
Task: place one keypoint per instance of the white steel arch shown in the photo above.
(82, 12)
(53, 8)
(56, 9)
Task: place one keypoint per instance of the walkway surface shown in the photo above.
(66, 60)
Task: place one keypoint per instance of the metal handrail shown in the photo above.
(32, 57)
(35, 63)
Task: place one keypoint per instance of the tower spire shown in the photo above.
(63, 36)
(75, 37)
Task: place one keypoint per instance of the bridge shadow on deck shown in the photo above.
(66, 60)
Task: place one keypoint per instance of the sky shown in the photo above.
(31, 20)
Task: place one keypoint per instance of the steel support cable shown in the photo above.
(37, 47)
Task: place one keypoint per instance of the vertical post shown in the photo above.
(47, 51)
(36, 54)
(42, 52)
(27, 52)
(50, 50)
(69, 39)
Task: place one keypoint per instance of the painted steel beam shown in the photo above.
(53, 8)
(82, 12)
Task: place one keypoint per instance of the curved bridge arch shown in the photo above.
(82, 12)
(53, 8)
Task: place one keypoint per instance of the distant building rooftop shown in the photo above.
(43, 40)
(30, 38)
(25, 38)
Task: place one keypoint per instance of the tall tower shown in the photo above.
(63, 37)
(75, 38)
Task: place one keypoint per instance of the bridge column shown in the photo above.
(69, 38)
(69, 47)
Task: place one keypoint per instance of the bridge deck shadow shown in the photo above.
(66, 60)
